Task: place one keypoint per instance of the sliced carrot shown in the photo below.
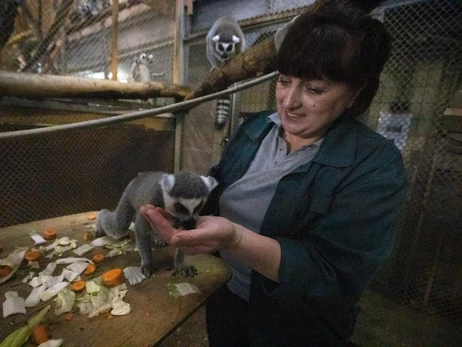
(91, 268)
(69, 316)
(91, 216)
(50, 234)
(78, 286)
(113, 278)
(5, 270)
(99, 258)
(40, 334)
(88, 235)
(32, 255)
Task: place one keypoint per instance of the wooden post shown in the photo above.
(178, 77)
(115, 39)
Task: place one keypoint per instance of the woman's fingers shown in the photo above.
(157, 221)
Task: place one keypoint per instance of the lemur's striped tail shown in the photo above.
(222, 113)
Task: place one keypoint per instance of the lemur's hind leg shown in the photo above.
(143, 234)
(115, 224)
(180, 266)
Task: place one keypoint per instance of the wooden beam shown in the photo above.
(115, 39)
(29, 85)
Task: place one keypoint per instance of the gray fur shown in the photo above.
(161, 190)
(222, 34)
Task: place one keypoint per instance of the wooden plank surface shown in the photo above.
(154, 313)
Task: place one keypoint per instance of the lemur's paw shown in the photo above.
(99, 232)
(148, 271)
(158, 243)
(186, 270)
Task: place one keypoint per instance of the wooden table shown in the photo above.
(154, 313)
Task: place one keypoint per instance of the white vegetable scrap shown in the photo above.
(83, 249)
(13, 260)
(64, 301)
(34, 264)
(34, 297)
(52, 291)
(120, 247)
(101, 241)
(60, 246)
(180, 289)
(29, 276)
(134, 275)
(13, 304)
(52, 343)
(71, 260)
(38, 240)
(49, 269)
(120, 307)
(107, 299)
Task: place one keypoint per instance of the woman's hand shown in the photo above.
(210, 235)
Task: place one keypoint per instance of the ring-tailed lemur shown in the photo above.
(181, 195)
(141, 69)
(224, 40)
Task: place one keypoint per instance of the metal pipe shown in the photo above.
(188, 104)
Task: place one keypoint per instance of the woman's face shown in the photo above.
(307, 108)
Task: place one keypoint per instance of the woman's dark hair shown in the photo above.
(339, 42)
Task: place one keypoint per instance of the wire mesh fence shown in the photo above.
(84, 170)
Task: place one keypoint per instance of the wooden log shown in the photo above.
(257, 60)
(28, 85)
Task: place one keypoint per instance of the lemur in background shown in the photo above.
(181, 195)
(224, 40)
(141, 69)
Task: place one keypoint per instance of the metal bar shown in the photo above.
(184, 105)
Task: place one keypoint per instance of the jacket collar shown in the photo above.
(337, 148)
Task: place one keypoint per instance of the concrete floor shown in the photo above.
(381, 323)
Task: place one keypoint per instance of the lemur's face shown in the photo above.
(184, 196)
(185, 210)
(225, 46)
(146, 59)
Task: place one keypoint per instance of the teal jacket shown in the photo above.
(334, 218)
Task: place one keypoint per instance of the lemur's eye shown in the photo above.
(180, 208)
(198, 208)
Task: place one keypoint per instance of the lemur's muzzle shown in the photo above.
(189, 224)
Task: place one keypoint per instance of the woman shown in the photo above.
(308, 197)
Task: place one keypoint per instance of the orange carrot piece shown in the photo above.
(113, 278)
(50, 234)
(91, 268)
(91, 216)
(40, 334)
(69, 316)
(99, 258)
(78, 286)
(32, 255)
(5, 270)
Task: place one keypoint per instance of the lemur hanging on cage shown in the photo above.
(141, 69)
(224, 40)
(182, 195)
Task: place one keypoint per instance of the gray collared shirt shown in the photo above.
(245, 201)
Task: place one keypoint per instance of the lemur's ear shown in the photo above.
(210, 182)
(167, 181)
